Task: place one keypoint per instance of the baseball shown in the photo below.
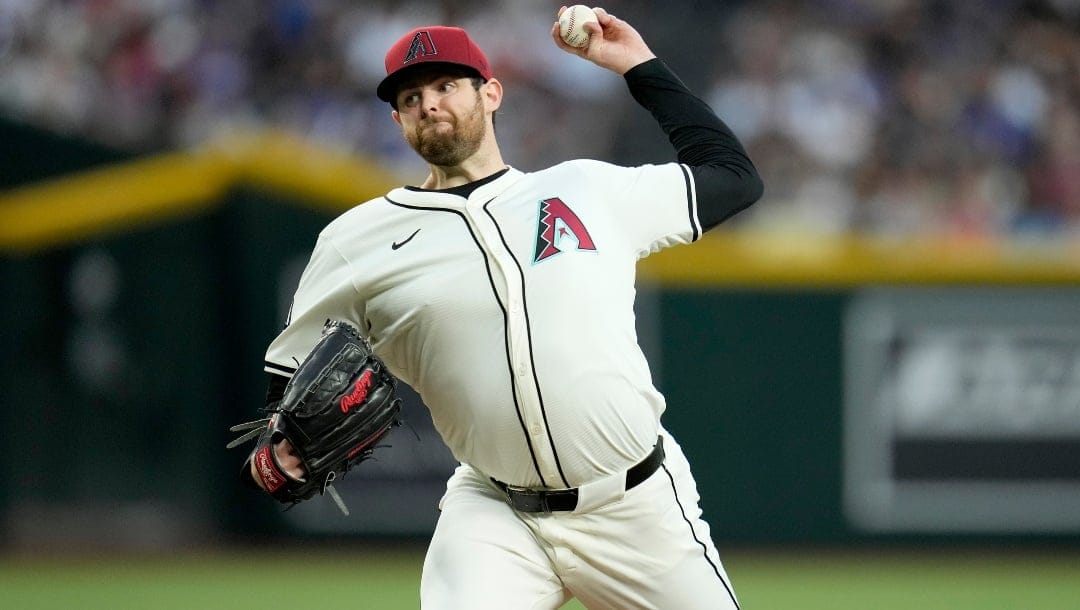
(571, 24)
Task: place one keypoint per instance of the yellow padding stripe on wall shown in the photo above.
(321, 177)
(181, 184)
(178, 185)
(764, 259)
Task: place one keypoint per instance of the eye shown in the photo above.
(410, 100)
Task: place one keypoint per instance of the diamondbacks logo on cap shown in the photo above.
(559, 229)
(421, 46)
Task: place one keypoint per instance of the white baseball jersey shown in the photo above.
(510, 312)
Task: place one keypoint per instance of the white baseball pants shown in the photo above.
(648, 549)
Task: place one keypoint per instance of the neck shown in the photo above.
(484, 162)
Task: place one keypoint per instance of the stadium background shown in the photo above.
(887, 405)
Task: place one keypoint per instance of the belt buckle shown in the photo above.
(509, 491)
(526, 500)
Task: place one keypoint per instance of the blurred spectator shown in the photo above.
(900, 117)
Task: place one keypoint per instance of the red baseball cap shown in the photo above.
(431, 44)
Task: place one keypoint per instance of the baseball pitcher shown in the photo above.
(505, 298)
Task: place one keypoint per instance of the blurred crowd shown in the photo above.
(904, 117)
(155, 74)
(895, 117)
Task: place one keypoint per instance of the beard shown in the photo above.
(448, 149)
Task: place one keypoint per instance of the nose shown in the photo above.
(428, 102)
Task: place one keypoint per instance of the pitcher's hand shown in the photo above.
(613, 43)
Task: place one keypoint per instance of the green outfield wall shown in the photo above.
(826, 391)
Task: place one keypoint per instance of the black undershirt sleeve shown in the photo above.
(726, 180)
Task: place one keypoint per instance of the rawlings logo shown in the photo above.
(271, 478)
(359, 393)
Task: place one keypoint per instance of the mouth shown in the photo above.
(436, 130)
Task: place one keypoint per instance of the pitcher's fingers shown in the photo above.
(602, 15)
(288, 460)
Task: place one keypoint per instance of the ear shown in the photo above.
(493, 95)
(396, 116)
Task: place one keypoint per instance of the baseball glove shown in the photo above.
(339, 403)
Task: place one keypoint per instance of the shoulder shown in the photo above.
(591, 168)
(608, 180)
(361, 219)
(576, 175)
(578, 167)
(363, 210)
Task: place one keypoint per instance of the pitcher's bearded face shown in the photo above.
(446, 140)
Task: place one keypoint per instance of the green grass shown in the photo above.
(908, 580)
(388, 580)
(208, 581)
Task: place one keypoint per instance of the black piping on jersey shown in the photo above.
(690, 204)
(693, 533)
(506, 323)
(528, 333)
(278, 369)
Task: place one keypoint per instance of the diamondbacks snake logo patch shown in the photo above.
(421, 45)
(558, 230)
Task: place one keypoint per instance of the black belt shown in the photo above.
(551, 500)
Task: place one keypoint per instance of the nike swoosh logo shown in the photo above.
(396, 245)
